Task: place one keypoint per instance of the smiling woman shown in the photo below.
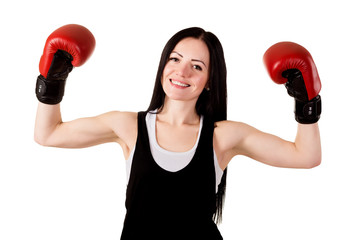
(178, 150)
(186, 70)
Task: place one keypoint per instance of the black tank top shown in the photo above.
(171, 205)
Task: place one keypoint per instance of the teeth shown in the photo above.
(179, 83)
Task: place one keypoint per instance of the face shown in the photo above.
(187, 71)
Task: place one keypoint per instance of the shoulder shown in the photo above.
(124, 125)
(119, 115)
(228, 132)
(117, 118)
(121, 120)
(228, 129)
(234, 133)
(228, 139)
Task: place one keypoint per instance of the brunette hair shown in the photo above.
(212, 103)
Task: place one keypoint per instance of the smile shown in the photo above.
(180, 84)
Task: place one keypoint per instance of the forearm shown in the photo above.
(308, 144)
(48, 118)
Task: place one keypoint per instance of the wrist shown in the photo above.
(49, 91)
(308, 112)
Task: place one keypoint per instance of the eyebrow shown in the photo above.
(195, 60)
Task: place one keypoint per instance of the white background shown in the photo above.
(48, 193)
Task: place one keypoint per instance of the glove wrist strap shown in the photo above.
(308, 112)
(49, 91)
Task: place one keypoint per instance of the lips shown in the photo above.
(179, 83)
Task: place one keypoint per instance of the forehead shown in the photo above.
(193, 48)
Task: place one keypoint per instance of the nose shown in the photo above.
(184, 69)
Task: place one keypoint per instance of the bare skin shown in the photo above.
(184, 78)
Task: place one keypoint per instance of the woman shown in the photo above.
(178, 150)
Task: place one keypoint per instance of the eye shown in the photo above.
(174, 59)
(197, 67)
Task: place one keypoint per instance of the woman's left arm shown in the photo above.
(236, 138)
(290, 64)
(304, 152)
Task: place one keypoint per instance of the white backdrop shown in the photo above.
(48, 193)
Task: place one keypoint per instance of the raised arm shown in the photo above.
(50, 130)
(119, 127)
(235, 138)
(290, 64)
(67, 47)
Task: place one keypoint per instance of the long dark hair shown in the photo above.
(211, 103)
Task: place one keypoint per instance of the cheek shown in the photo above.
(203, 81)
(165, 72)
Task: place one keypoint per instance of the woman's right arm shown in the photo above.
(67, 47)
(114, 126)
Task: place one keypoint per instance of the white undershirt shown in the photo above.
(179, 160)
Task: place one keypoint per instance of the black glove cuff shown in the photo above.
(49, 92)
(308, 112)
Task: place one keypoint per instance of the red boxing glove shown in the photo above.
(292, 64)
(67, 47)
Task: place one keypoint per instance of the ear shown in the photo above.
(207, 86)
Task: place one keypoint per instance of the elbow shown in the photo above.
(40, 140)
(44, 137)
(313, 162)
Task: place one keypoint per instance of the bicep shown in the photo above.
(80, 133)
(86, 132)
(242, 139)
(269, 149)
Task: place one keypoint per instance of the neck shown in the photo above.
(179, 112)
